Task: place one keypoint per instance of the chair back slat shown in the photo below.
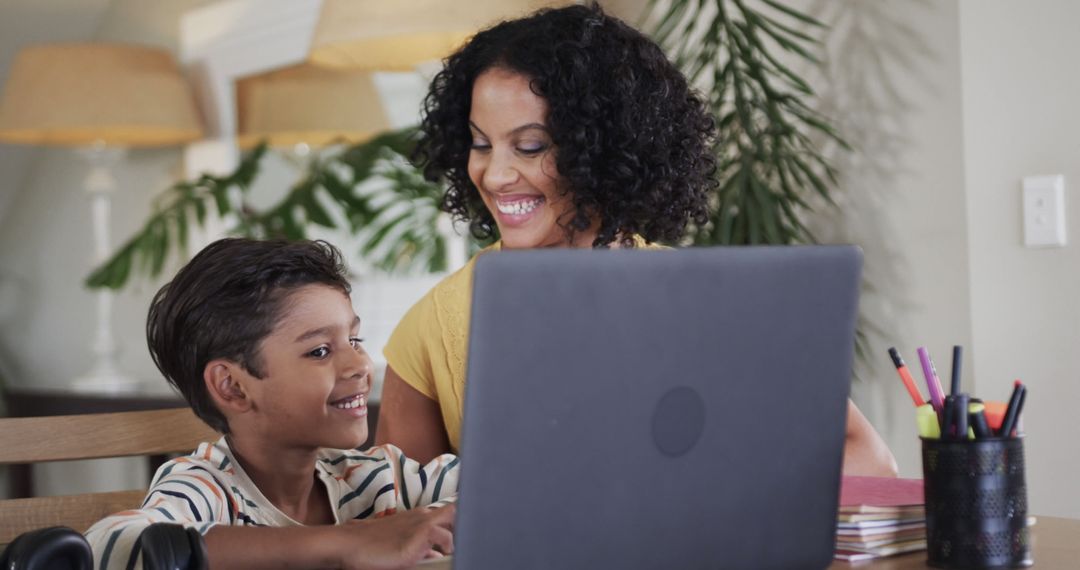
(79, 512)
(92, 436)
(89, 436)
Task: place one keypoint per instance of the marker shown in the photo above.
(1019, 410)
(905, 377)
(927, 421)
(995, 414)
(948, 418)
(957, 356)
(977, 418)
(961, 416)
(933, 384)
(1013, 410)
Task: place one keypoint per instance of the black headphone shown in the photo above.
(164, 546)
(168, 546)
(52, 548)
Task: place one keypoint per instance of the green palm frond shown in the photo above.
(368, 189)
(768, 163)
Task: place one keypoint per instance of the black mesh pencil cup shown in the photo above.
(976, 503)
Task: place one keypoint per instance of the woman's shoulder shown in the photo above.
(642, 243)
(459, 283)
(445, 303)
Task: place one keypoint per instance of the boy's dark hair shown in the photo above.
(224, 302)
(633, 141)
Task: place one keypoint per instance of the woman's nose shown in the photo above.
(500, 172)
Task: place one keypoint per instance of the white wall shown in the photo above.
(1021, 84)
(892, 84)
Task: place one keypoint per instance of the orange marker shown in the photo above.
(995, 413)
(905, 376)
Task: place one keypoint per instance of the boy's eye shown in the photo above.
(321, 352)
(356, 342)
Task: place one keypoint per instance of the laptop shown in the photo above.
(656, 409)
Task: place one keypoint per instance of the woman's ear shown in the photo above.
(222, 379)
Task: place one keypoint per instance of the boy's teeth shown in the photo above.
(520, 207)
(350, 403)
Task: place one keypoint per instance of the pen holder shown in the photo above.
(976, 503)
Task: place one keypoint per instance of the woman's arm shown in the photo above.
(410, 420)
(865, 453)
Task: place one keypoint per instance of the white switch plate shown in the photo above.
(1044, 211)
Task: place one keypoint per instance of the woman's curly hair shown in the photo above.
(633, 143)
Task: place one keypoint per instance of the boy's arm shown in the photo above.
(398, 541)
(187, 497)
(193, 498)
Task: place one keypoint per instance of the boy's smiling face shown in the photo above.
(316, 374)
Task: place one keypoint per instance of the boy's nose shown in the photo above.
(358, 365)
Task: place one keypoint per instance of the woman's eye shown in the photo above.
(321, 352)
(532, 149)
(480, 145)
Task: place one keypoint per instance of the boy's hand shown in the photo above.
(399, 540)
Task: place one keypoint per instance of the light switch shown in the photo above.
(1044, 211)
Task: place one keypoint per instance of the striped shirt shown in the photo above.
(209, 488)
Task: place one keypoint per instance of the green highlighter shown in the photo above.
(927, 420)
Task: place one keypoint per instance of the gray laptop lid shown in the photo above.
(656, 409)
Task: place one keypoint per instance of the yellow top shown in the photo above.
(429, 346)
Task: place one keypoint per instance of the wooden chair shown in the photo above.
(89, 436)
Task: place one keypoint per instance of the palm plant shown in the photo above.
(769, 162)
(368, 189)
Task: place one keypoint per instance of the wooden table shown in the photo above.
(1056, 544)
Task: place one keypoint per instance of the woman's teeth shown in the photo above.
(520, 207)
(351, 403)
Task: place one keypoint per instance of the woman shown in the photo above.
(566, 128)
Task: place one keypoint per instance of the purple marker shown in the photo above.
(937, 395)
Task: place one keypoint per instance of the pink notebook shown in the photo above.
(877, 494)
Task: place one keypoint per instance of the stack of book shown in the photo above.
(880, 516)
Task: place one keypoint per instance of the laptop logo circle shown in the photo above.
(678, 421)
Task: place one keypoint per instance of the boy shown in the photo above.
(260, 337)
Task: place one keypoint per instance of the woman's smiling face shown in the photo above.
(512, 162)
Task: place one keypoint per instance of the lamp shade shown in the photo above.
(308, 104)
(81, 93)
(377, 34)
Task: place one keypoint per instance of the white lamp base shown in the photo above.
(104, 375)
